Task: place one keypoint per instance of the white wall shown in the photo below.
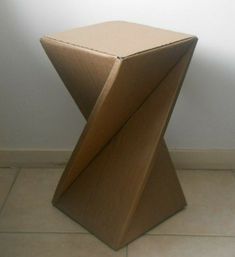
(36, 112)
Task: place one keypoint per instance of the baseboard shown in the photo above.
(34, 158)
(223, 159)
(211, 159)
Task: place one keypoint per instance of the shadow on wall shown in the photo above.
(204, 114)
(36, 110)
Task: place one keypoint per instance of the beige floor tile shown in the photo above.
(29, 207)
(6, 179)
(54, 245)
(211, 205)
(182, 246)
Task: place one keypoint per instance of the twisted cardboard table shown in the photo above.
(125, 78)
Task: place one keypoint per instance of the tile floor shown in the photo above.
(31, 227)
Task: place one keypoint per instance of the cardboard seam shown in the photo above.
(116, 56)
(79, 46)
(158, 47)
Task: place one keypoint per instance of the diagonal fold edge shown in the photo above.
(130, 82)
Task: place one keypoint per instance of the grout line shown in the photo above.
(87, 233)
(8, 167)
(10, 189)
(191, 235)
(205, 169)
(63, 165)
(46, 232)
(127, 251)
(53, 166)
(211, 172)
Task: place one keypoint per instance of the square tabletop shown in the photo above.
(119, 38)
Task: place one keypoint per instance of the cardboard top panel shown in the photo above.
(119, 38)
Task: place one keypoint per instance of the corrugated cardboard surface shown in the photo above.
(78, 66)
(127, 102)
